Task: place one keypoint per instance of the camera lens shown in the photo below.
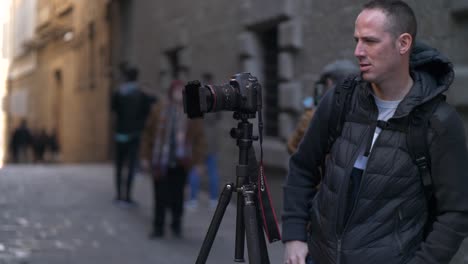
(242, 94)
(225, 97)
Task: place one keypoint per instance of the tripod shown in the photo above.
(247, 220)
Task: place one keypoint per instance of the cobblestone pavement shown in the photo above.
(65, 215)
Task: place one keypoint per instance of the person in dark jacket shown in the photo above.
(131, 107)
(53, 146)
(39, 144)
(20, 142)
(371, 205)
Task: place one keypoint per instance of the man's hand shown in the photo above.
(295, 252)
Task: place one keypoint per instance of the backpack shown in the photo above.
(415, 125)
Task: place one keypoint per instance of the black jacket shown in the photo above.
(390, 212)
(131, 110)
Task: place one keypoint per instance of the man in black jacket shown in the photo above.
(131, 107)
(370, 206)
(20, 142)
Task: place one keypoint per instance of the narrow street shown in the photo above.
(65, 215)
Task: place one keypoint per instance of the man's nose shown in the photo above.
(359, 51)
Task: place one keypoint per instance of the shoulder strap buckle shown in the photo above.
(422, 163)
(382, 124)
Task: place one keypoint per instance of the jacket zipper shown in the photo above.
(400, 217)
(341, 199)
(397, 227)
(340, 236)
(359, 191)
(338, 257)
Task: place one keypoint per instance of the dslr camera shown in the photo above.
(242, 95)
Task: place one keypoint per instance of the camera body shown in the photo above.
(242, 94)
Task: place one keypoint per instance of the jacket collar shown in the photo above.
(432, 74)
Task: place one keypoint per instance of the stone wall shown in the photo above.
(219, 38)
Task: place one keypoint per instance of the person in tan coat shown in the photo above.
(172, 144)
(296, 137)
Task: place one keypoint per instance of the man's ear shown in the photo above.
(405, 41)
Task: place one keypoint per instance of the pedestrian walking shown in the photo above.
(20, 143)
(173, 144)
(39, 145)
(53, 147)
(130, 106)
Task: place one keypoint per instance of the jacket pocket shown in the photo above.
(314, 211)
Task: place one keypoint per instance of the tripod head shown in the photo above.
(244, 127)
(247, 161)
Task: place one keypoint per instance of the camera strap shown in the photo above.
(270, 222)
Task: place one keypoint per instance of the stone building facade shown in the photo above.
(60, 80)
(283, 42)
(21, 26)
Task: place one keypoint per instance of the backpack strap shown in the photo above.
(417, 141)
(401, 126)
(341, 106)
(418, 147)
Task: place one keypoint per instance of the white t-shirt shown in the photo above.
(386, 111)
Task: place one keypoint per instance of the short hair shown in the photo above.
(131, 74)
(401, 16)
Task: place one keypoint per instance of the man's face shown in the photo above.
(376, 48)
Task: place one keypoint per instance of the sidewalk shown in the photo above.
(65, 215)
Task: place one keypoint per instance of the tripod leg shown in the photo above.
(240, 230)
(261, 235)
(223, 202)
(251, 226)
